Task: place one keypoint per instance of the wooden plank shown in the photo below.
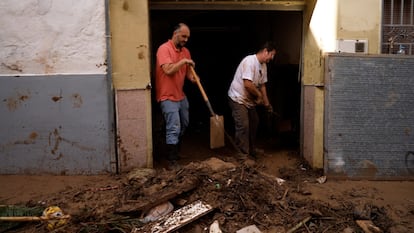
(167, 193)
(181, 217)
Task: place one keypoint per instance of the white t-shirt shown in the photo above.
(250, 69)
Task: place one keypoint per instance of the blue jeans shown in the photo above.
(246, 121)
(176, 118)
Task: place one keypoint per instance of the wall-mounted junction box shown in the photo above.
(351, 46)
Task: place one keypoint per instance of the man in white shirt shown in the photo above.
(247, 90)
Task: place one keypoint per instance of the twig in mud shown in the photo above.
(299, 225)
(118, 229)
(179, 172)
(284, 194)
(326, 218)
(283, 210)
(78, 193)
(242, 200)
(306, 227)
(282, 202)
(368, 226)
(258, 222)
(271, 178)
(326, 229)
(103, 188)
(254, 215)
(329, 227)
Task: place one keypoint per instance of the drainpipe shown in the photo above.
(114, 151)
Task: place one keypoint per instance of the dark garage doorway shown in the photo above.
(219, 40)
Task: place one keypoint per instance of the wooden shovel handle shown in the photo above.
(197, 79)
(203, 93)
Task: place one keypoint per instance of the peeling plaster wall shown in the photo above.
(52, 37)
(57, 108)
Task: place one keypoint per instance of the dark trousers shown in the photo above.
(246, 121)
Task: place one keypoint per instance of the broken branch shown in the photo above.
(299, 225)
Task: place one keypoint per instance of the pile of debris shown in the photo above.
(215, 195)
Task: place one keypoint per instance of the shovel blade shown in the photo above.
(216, 132)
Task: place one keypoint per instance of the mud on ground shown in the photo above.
(242, 192)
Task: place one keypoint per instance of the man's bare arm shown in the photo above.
(171, 68)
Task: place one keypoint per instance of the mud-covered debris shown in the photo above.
(178, 218)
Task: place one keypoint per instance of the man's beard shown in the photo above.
(180, 45)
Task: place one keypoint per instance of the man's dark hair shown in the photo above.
(268, 45)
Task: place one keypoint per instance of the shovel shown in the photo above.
(216, 121)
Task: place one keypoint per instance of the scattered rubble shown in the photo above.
(232, 194)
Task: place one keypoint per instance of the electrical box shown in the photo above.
(351, 46)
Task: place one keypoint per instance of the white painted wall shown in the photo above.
(323, 24)
(52, 37)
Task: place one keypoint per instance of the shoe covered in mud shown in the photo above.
(173, 165)
(241, 155)
(256, 152)
(172, 152)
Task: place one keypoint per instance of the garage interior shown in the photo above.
(219, 40)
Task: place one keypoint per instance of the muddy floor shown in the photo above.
(275, 192)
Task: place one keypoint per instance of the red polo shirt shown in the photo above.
(170, 87)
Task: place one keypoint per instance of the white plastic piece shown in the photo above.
(249, 229)
(158, 211)
(215, 228)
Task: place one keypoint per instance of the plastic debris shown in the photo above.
(229, 182)
(158, 211)
(55, 217)
(321, 179)
(280, 181)
(215, 228)
(249, 229)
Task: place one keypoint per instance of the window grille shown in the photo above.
(398, 27)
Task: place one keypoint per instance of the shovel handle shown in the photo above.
(32, 218)
(203, 93)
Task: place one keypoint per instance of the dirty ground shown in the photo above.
(276, 192)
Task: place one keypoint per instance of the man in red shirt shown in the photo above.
(172, 67)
